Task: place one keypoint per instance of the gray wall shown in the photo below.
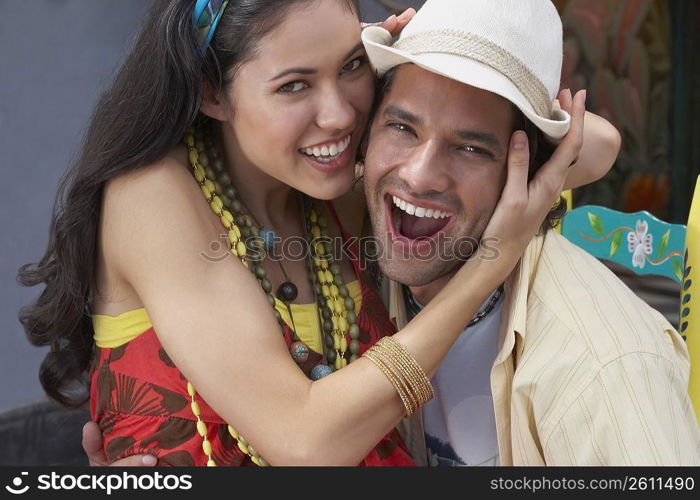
(55, 57)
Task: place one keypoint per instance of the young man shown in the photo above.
(564, 365)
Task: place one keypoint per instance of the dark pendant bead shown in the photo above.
(326, 313)
(331, 355)
(260, 272)
(318, 290)
(354, 346)
(338, 279)
(245, 232)
(335, 269)
(343, 291)
(266, 285)
(351, 317)
(287, 292)
(299, 351)
(271, 299)
(237, 207)
(327, 326)
(320, 371)
(328, 341)
(354, 331)
(269, 237)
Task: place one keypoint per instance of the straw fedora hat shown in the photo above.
(512, 48)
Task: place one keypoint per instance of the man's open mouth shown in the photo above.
(416, 221)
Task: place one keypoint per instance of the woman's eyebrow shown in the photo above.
(311, 71)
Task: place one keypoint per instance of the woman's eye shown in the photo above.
(292, 87)
(354, 64)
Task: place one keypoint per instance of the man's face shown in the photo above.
(435, 170)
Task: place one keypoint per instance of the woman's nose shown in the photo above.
(335, 112)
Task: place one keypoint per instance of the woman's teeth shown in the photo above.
(328, 152)
(419, 211)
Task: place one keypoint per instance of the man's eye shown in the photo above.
(354, 64)
(292, 87)
(476, 150)
(402, 127)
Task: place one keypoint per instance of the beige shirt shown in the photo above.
(587, 373)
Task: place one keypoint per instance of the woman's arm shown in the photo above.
(215, 322)
(601, 144)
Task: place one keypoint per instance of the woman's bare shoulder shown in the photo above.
(153, 204)
(157, 182)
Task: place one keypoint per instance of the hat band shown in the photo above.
(464, 44)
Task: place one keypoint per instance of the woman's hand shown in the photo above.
(92, 445)
(394, 24)
(599, 150)
(523, 206)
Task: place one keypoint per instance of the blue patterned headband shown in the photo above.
(207, 14)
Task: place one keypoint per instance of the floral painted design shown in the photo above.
(640, 243)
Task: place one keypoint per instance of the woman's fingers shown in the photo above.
(402, 21)
(565, 100)
(549, 180)
(523, 206)
(92, 445)
(136, 461)
(394, 24)
(515, 190)
(506, 219)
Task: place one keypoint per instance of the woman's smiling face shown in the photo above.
(298, 108)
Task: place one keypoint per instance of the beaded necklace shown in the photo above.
(250, 245)
(413, 308)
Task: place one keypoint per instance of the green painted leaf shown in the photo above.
(615, 243)
(686, 298)
(596, 223)
(687, 271)
(685, 312)
(663, 244)
(686, 285)
(677, 268)
(684, 326)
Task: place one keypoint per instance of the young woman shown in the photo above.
(236, 119)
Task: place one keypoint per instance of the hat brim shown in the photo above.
(383, 57)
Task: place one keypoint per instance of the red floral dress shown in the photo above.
(139, 398)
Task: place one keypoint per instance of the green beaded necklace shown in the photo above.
(248, 244)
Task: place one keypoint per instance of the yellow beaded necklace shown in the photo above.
(336, 307)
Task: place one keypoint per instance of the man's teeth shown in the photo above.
(419, 211)
(328, 150)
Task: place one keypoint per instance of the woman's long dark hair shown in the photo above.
(152, 103)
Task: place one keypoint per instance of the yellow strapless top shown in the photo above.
(114, 331)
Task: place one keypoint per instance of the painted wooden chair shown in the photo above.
(646, 245)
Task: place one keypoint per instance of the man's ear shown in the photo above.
(213, 104)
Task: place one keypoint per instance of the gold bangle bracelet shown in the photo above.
(411, 369)
(372, 356)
